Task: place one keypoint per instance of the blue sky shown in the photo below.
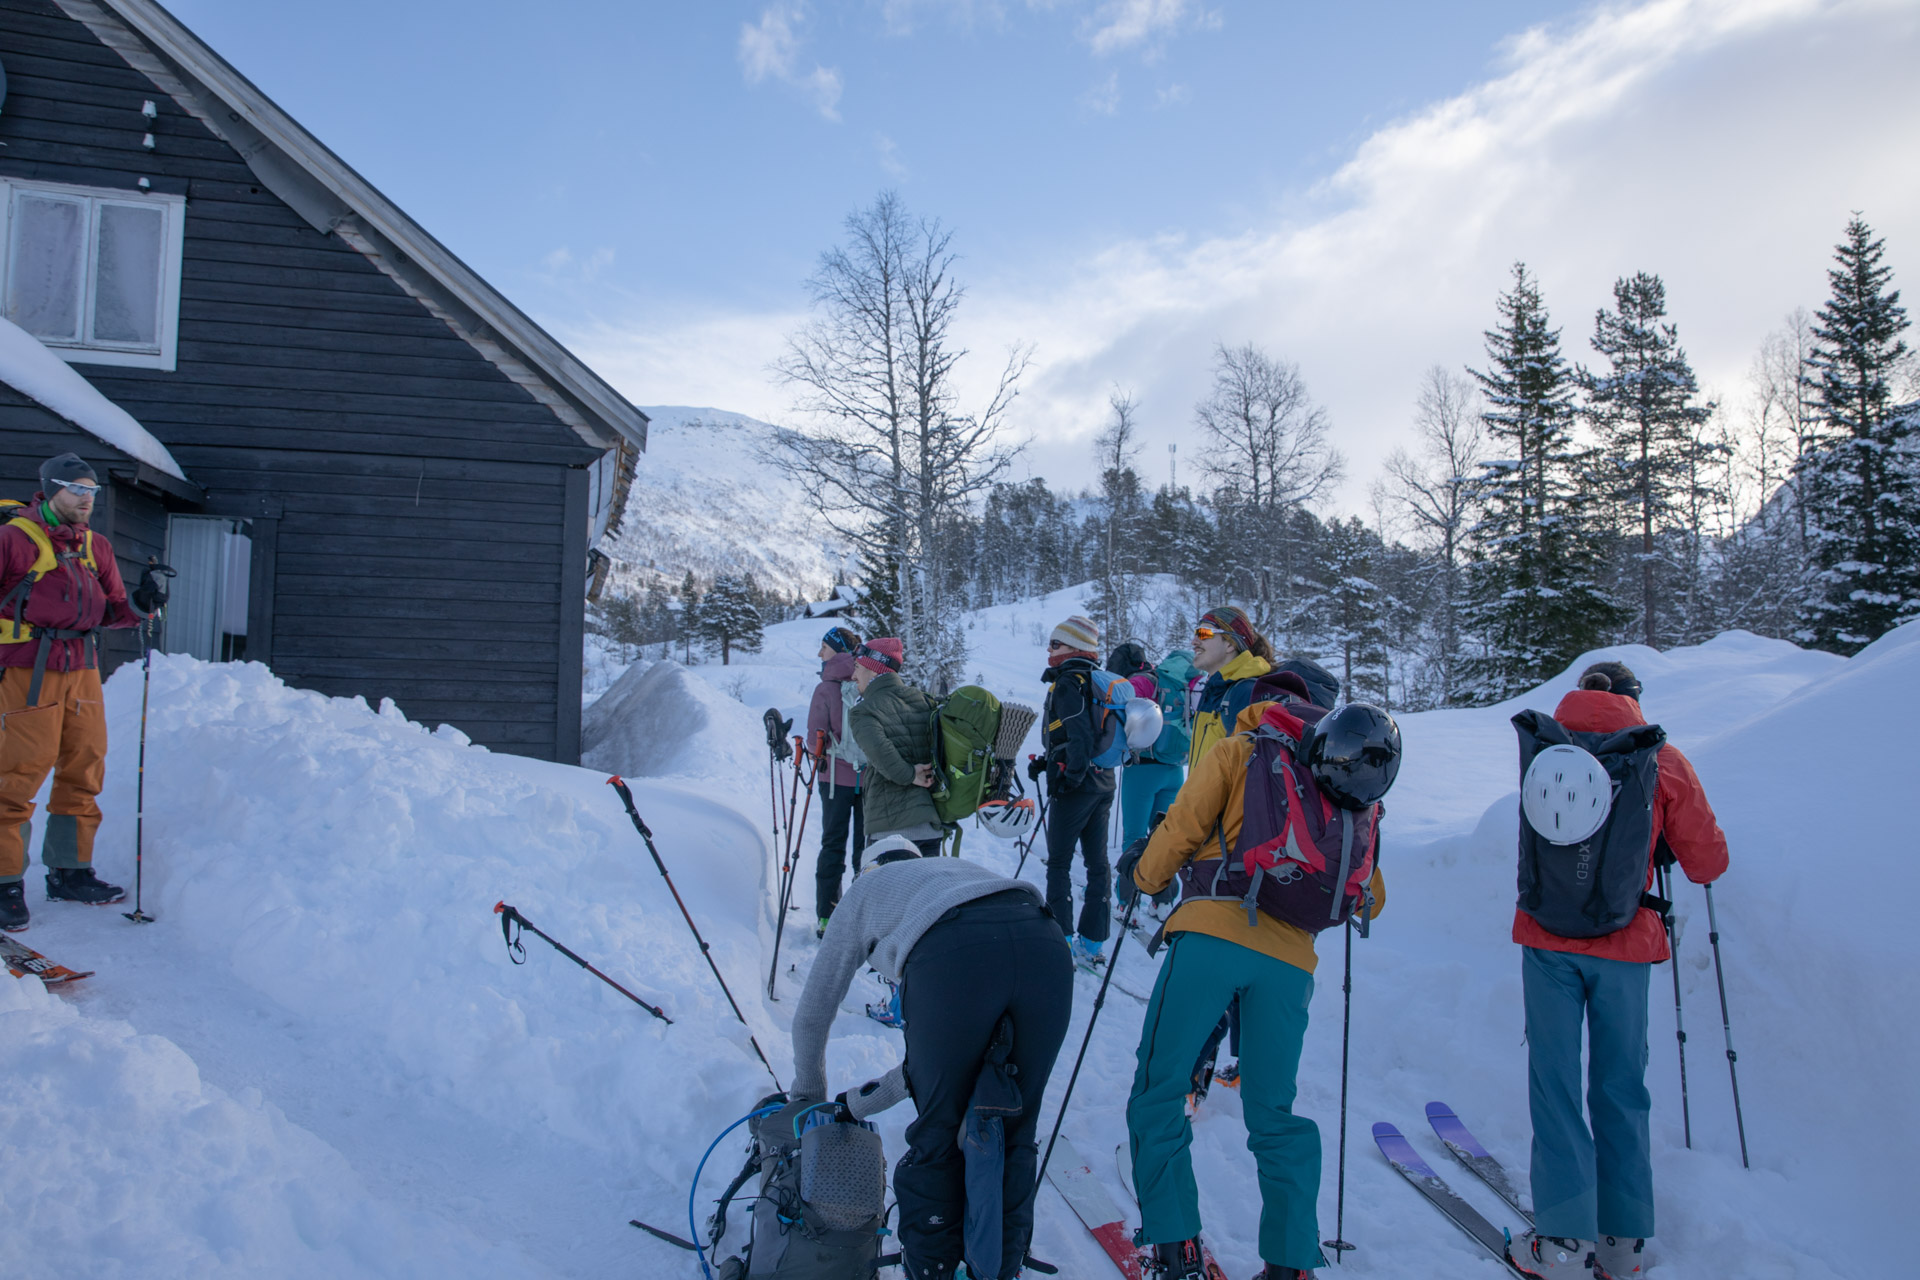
(1130, 181)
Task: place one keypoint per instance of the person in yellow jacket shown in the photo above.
(1233, 655)
(1216, 958)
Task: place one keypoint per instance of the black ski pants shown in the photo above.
(1080, 817)
(839, 814)
(992, 956)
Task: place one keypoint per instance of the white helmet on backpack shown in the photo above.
(1005, 819)
(1144, 723)
(1566, 794)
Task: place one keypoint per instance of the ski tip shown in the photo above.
(1436, 1109)
(1382, 1129)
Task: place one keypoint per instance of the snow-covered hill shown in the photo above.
(707, 497)
(321, 1062)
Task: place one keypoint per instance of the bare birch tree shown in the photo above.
(1433, 487)
(891, 451)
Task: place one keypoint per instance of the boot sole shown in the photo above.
(104, 902)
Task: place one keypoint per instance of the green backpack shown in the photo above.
(965, 724)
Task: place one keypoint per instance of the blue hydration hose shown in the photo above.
(693, 1231)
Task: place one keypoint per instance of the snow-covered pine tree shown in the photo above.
(1644, 407)
(690, 622)
(1535, 602)
(728, 618)
(1860, 484)
(1352, 611)
(1116, 590)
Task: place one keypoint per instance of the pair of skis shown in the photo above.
(22, 960)
(1464, 1147)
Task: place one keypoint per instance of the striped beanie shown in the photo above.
(882, 654)
(1079, 633)
(1232, 621)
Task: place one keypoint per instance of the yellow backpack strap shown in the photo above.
(13, 630)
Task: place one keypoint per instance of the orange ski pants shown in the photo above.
(65, 732)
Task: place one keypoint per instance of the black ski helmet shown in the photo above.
(1354, 754)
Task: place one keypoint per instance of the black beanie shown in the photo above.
(1611, 677)
(68, 466)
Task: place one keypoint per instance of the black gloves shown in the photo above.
(1125, 888)
(1036, 766)
(152, 591)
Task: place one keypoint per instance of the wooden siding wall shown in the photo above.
(418, 498)
(134, 522)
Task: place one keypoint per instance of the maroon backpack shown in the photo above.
(1299, 857)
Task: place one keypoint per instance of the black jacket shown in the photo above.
(1072, 729)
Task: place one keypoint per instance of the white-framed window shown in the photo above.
(93, 273)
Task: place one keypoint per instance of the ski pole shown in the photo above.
(1726, 1025)
(787, 874)
(1679, 1027)
(619, 784)
(517, 952)
(137, 915)
(1113, 962)
(1339, 1243)
(1039, 827)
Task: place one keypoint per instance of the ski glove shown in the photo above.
(876, 1096)
(1125, 888)
(151, 594)
(1036, 765)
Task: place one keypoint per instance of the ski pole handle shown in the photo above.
(620, 784)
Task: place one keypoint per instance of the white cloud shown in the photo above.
(1104, 95)
(1720, 143)
(770, 50)
(890, 162)
(1171, 96)
(1124, 24)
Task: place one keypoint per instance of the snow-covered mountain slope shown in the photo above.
(321, 1061)
(707, 497)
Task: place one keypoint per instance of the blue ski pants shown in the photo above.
(1146, 789)
(1588, 1182)
(1197, 981)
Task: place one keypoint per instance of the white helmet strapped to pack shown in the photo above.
(1144, 723)
(1006, 819)
(1566, 794)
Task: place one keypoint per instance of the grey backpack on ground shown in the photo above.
(1596, 886)
(822, 1205)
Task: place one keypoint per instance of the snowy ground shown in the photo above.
(321, 1062)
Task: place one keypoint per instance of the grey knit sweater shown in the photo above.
(884, 914)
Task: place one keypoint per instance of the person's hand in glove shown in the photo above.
(875, 1096)
(1036, 766)
(151, 594)
(1123, 886)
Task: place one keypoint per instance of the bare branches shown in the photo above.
(1266, 437)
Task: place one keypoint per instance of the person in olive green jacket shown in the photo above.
(893, 724)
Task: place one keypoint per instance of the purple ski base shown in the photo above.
(1466, 1148)
(1400, 1153)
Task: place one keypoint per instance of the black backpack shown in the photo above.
(822, 1207)
(1596, 887)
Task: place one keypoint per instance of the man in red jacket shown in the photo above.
(59, 586)
(1593, 1188)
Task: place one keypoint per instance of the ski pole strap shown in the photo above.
(516, 950)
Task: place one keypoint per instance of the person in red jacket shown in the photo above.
(838, 781)
(59, 586)
(1593, 1186)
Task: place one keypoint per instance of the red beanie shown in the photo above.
(882, 653)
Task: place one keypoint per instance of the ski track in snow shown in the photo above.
(320, 1062)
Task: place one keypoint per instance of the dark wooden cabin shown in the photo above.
(402, 474)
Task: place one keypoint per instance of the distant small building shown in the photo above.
(387, 479)
(842, 602)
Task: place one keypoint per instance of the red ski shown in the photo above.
(1074, 1179)
(23, 960)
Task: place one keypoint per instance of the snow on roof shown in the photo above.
(35, 372)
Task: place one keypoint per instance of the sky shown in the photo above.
(1130, 183)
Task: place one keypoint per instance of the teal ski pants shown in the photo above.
(1196, 983)
(1145, 789)
(1599, 1181)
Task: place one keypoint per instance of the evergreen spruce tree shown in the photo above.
(1862, 493)
(1644, 408)
(1353, 611)
(1535, 603)
(879, 611)
(728, 618)
(690, 622)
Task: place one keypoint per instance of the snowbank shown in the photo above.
(29, 368)
(659, 719)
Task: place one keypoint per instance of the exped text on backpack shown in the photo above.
(822, 1208)
(1594, 887)
(1299, 857)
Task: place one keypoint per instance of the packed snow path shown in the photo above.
(320, 1061)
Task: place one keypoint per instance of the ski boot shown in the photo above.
(820, 928)
(1276, 1272)
(1086, 954)
(13, 907)
(1228, 1075)
(79, 884)
(1179, 1260)
(1202, 1081)
(1551, 1257)
(1618, 1258)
